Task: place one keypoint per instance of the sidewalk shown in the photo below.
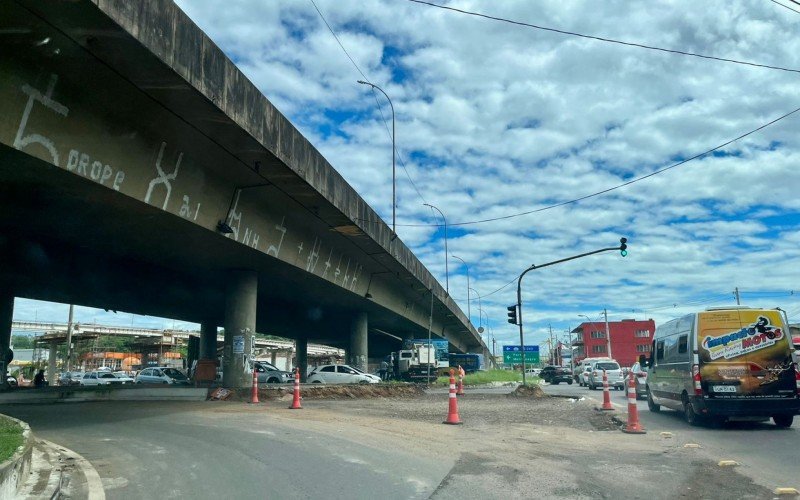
(57, 472)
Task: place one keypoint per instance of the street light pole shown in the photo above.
(469, 314)
(394, 184)
(446, 271)
(480, 307)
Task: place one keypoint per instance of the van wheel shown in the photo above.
(692, 418)
(651, 405)
(569, 382)
(783, 421)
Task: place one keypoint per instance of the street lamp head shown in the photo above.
(362, 82)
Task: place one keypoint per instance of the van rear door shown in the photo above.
(744, 354)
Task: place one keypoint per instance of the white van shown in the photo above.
(723, 363)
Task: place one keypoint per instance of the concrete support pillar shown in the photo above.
(51, 364)
(208, 341)
(357, 353)
(6, 314)
(302, 357)
(240, 325)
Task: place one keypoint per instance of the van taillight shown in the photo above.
(594, 373)
(698, 390)
(797, 378)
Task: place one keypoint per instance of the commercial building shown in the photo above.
(628, 339)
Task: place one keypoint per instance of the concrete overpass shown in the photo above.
(141, 171)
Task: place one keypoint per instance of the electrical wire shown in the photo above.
(374, 94)
(604, 191)
(608, 40)
(785, 6)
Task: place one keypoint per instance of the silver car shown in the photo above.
(161, 375)
(613, 372)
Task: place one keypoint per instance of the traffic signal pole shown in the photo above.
(623, 251)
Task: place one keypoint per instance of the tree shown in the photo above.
(22, 342)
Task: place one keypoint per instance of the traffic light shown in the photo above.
(623, 246)
(512, 314)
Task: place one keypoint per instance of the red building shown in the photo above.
(629, 339)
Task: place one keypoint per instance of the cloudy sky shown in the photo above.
(496, 119)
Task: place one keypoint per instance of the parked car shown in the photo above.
(124, 377)
(100, 377)
(70, 378)
(161, 375)
(556, 374)
(341, 374)
(533, 371)
(613, 373)
(640, 378)
(271, 374)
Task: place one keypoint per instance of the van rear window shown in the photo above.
(607, 366)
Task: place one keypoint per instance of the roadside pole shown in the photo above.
(623, 251)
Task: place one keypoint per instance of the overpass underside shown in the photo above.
(118, 161)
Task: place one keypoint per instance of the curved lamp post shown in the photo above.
(469, 314)
(362, 82)
(446, 272)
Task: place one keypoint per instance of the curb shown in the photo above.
(94, 484)
(14, 471)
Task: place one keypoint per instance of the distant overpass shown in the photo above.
(141, 171)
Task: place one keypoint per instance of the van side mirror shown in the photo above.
(643, 361)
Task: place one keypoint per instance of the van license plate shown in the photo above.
(724, 388)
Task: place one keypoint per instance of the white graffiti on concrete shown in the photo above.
(272, 249)
(163, 177)
(46, 99)
(313, 256)
(233, 215)
(327, 264)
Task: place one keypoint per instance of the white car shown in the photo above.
(101, 377)
(124, 377)
(340, 374)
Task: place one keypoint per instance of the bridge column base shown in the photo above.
(302, 357)
(6, 315)
(240, 326)
(357, 353)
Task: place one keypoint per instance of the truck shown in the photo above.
(413, 362)
(470, 362)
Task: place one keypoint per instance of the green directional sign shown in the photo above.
(512, 354)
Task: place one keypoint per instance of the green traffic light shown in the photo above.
(623, 252)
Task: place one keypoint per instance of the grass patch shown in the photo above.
(10, 438)
(488, 376)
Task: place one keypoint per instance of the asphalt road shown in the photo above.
(199, 450)
(768, 455)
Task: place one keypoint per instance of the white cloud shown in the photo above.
(495, 119)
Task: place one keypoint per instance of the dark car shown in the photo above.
(555, 375)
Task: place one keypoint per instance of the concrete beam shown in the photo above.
(6, 315)
(240, 325)
(358, 350)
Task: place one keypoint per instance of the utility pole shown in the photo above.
(608, 333)
(552, 346)
(69, 337)
(736, 294)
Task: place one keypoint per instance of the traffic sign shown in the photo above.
(512, 354)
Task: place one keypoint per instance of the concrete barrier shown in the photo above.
(14, 471)
(85, 394)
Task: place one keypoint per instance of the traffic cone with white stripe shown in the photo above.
(633, 427)
(460, 391)
(296, 401)
(452, 414)
(254, 391)
(606, 394)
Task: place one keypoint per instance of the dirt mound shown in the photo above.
(315, 391)
(528, 391)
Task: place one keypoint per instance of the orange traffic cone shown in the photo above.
(606, 394)
(633, 427)
(296, 402)
(452, 414)
(254, 392)
(460, 391)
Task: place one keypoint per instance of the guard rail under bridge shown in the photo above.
(126, 137)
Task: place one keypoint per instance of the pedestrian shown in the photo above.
(392, 368)
(384, 368)
(38, 380)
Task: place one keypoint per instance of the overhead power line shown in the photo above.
(374, 94)
(608, 190)
(604, 39)
(786, 6)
